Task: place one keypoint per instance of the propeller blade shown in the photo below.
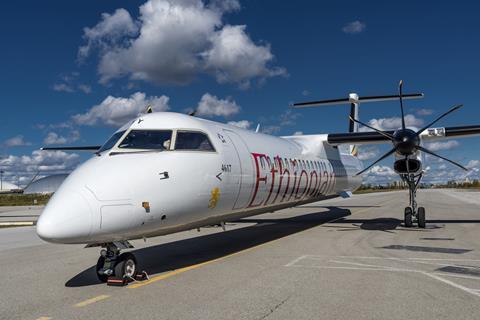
(383, 157)
(400, 86)
(443, 115)
(438, 156)
(385, 134)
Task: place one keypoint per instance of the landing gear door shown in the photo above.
(246, 178)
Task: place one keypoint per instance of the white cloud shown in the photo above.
(368, 153)
(354, 27)
(305, 93)
(224, 5)
(107, 32)
(473, 164)
(380, 175)
(85, 88)
(115, 111)
(47, 162)
(233, 57)
(270, 129)
(393, 123)
(424, 112)
(54, 138)
(62, 87)
(17, 141)
(244, 124)
(382, 171)
(446, 145)
(171, 42)
(298, 133)
(288, 118)
(74, 136)
(68, 83)
(210, 105)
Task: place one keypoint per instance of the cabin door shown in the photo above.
(246, 178)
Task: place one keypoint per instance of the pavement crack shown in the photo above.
(274, 308)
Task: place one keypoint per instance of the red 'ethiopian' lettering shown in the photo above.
(307, 181)
(257, 157)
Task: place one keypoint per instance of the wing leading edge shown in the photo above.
(80, 148)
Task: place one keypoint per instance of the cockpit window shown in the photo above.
(191, 140)
(111, 142)
(147, 139)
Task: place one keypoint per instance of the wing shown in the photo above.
(80, 148)
(371, 137)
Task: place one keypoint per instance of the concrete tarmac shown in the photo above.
(336, 259)
(20, 213)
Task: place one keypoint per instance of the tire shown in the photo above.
(100, 263)
(408, 217)
(126, 266)
(421, 217)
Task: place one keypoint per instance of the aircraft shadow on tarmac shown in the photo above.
(390, 224)
(184, 253)
(382, 224)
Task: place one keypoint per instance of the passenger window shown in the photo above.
(147, 139)
(188, 140)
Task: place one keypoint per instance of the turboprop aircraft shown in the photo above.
(166, 172)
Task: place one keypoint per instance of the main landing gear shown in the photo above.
(113, 265)
(413, 213)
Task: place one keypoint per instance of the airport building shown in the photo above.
(46, 185)
(7, 186)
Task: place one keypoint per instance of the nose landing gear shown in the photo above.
(112, 264)
(412, 212)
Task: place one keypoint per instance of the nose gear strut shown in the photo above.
(413, 212)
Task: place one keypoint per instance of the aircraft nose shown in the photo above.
(67, 218)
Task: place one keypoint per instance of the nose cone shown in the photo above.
(67, 218)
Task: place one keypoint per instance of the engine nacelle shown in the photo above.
(403, 166)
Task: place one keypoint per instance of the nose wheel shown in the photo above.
(421, 217)
(113, 264)
(413, 213)
(408, 217)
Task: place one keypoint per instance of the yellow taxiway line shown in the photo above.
(92, 300)
(17, 224)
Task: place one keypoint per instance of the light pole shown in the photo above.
(1, 179)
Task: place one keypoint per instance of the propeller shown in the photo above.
(400, 86)
(406, 141)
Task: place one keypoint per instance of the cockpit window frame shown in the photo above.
(114, 146)
(116, 150)
(121, 150)
(190, 130)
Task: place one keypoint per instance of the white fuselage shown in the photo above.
(127, 194)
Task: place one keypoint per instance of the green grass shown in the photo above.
(23, 199)
(363, 191)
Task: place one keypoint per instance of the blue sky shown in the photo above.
(236, 61)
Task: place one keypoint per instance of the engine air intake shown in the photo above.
(407, 166)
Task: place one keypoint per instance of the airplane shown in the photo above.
(165, 172)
